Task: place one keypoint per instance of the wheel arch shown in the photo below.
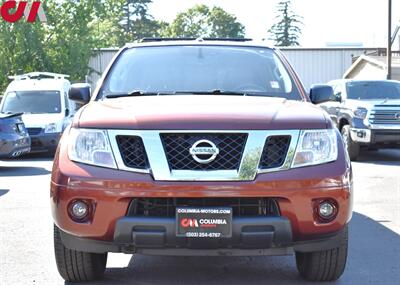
(342, 122)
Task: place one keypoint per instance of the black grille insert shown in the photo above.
(177, 146)
(275, 152)
(132, 151)
(165, 207)
(34, 131)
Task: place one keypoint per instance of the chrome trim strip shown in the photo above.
(248, 169)
(384, 127)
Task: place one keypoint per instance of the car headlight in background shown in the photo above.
(90, 147)
(316, 147)
(50, 129)
(360, 113)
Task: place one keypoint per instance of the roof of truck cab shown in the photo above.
(200, 42)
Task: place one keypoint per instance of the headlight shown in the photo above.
(316, 147)
(90, 147)
(360, 113)
(50, 129)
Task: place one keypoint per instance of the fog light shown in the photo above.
(361, 134)
(79, 210)
(326, 210)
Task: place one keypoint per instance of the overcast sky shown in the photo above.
(363, 21)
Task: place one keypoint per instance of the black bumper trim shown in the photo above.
(156, 236)
(254, 232)
(45, 142)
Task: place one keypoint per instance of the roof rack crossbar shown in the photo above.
(38, 75)
(160, 39)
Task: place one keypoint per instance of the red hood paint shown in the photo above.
(202, 112)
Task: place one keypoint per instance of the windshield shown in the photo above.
(180, 69)
(369, 90)
(34, 102)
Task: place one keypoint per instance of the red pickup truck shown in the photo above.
(201, 147)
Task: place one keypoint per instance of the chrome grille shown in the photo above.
(275, 152)
(231, 147)
(241, 150)
(385, 116)
(132, 151)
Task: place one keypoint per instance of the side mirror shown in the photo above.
(67, 112)
(321, 94)
(80, 93)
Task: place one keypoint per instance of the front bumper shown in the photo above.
(111, 191)
(383, 137)
(156, 236)
(45, 142)
(14, 146)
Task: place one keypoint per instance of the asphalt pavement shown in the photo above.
(26, 243)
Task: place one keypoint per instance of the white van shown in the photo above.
(42, 97)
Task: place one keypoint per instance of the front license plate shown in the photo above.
(204, 222)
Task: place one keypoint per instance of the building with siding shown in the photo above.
(314, 65)
(373, 67)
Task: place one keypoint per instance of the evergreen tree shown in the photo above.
(138, 23)
(287, 30)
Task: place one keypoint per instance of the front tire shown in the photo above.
(353, 149)
(325, 265)
(76, 266)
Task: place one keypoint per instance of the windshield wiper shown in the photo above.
(132, 94)
(152, 93)
(211, 92)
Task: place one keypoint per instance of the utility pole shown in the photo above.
(389, 47)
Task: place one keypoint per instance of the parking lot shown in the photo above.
(26, 244)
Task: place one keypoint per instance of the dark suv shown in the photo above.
(367, 113)
(201, 148)
(14, 139)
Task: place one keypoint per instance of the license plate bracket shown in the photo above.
(204, 222)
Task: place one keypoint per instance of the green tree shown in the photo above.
(73, 32)
(202, 21)
(70, 40)
(287, 30)
(137, 21)
(21, 49)
(107, 26)
(125, 21)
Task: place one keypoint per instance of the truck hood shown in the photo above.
(201, 112)
(369, 104)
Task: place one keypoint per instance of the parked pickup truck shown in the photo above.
(367, 113)
(201, 147)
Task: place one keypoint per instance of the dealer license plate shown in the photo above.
(204, 222)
